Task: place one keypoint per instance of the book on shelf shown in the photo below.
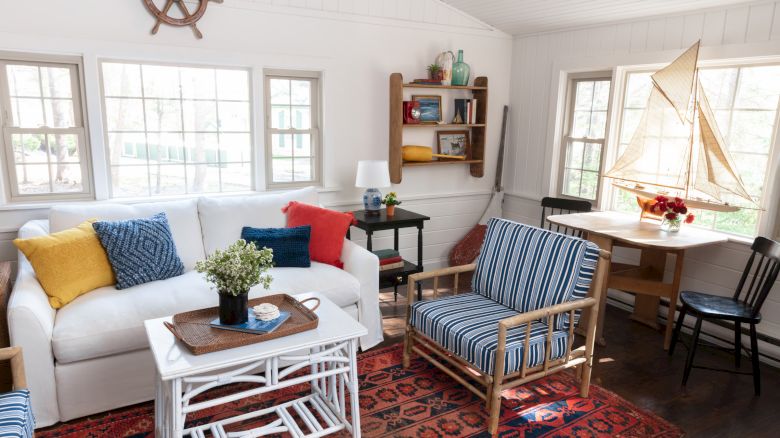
(390, 266)
(254, 325)
(465, 111)
(390, 260)
(386, 253)
(426, 82)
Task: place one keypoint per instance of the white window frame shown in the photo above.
(81, 130)
(315, 131)
(769, 212)
(104, 118)
(571, 94)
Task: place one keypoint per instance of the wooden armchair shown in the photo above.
(16, 417)
(530, 286)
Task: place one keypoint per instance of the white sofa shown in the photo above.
(92, 355)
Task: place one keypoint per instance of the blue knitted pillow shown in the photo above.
(290, 245)
(140, 250)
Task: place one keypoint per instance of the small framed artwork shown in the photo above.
(430, 108)
(453, 143)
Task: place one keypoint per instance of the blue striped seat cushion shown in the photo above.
(467, 326)
(528, 268)
(16, 416)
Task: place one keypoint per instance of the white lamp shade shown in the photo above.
(372, 174)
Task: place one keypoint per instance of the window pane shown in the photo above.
(64, 148)
(301, 117)
(27, 113)
(29, 148)
(282, 145)
(719, 86)
(581, 124)
(233, 116)
(129, 181)
(571, 182)
(167, 180)
(751, 131)
(127, 148)
(638, 90)
(598, 124)
(236, 147)
(124, 114)
(574, 155)
(236, 177)
(56, 82)
(303, 170)
(601, 95)
(759, 87)
(303, 145)
(200, 115)
(67, 178)
(23, 80)
(590, 182)
(201, 147)
(202, 178)
(282, 169)
(165, 148)
(163, 115)
(280, 91)
(592, 157)
(122, 80)
(59, 113)
(198, 83)
(160, 81)
(301, 92)
(584, 98)
(280, 117)
(33, 179)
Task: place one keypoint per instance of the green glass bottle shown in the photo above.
(460, 71)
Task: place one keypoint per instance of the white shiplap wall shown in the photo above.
(540, 64)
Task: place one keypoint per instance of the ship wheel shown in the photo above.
(187, 19)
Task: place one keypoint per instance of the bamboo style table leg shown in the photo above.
(604, 243)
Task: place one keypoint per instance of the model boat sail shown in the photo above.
(677, 149)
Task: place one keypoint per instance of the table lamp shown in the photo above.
(372, 174)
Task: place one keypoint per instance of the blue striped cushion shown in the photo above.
(528, 268)
(467, 325)
(16, 416)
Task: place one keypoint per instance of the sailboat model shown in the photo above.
(677, 149)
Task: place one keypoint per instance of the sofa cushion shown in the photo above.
(222, 218)
(140, 250)
(182, 218)
(108, 321)
(467, 325)
(528, 268)
(328, 230)
(290, 245)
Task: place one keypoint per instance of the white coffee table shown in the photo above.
(329, 354)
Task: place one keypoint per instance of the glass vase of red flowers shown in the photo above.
(673, 212)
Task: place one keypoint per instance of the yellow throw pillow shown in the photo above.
(69, 263)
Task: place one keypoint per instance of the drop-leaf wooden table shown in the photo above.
(646, 280)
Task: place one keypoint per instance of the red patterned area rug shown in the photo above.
(423, 402)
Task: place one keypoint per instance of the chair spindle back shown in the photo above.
(764, 273)
(562, 206)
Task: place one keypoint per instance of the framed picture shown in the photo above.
(430, 108)
(453, 142)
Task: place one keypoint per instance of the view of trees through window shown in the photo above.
(745, 102)
(175, 130)
(44, 129)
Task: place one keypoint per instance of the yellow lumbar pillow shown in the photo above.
(69, 263)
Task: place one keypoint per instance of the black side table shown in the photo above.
(401, 219)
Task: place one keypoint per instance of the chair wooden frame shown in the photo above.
(580, 358)
(14, 354)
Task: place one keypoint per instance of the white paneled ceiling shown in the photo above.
(523, 17)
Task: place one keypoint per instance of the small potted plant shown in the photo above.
(390, 201)
(672, 211)
(435, 72)
(233, 272)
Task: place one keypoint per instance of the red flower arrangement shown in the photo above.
(671, 210)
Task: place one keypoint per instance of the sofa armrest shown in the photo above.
(364, 266)
(30, 326)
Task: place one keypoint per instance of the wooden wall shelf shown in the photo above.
(478, 130)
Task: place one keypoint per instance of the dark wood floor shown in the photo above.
(635, 366)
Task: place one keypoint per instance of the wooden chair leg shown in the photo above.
(407, 348)
(494, 401)
(692, 351)
(737, 344)
(677, 328)
(585, 381)
(754, 355)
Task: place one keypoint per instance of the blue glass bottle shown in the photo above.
(460, 71)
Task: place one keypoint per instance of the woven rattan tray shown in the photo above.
(193, 328)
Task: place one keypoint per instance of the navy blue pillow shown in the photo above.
(140, 250)
(290, 245)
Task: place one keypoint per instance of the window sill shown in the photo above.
(43, 205)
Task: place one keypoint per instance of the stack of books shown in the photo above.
(426, 82)
(389, 259)
(465, 111)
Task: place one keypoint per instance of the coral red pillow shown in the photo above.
(328, 229)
